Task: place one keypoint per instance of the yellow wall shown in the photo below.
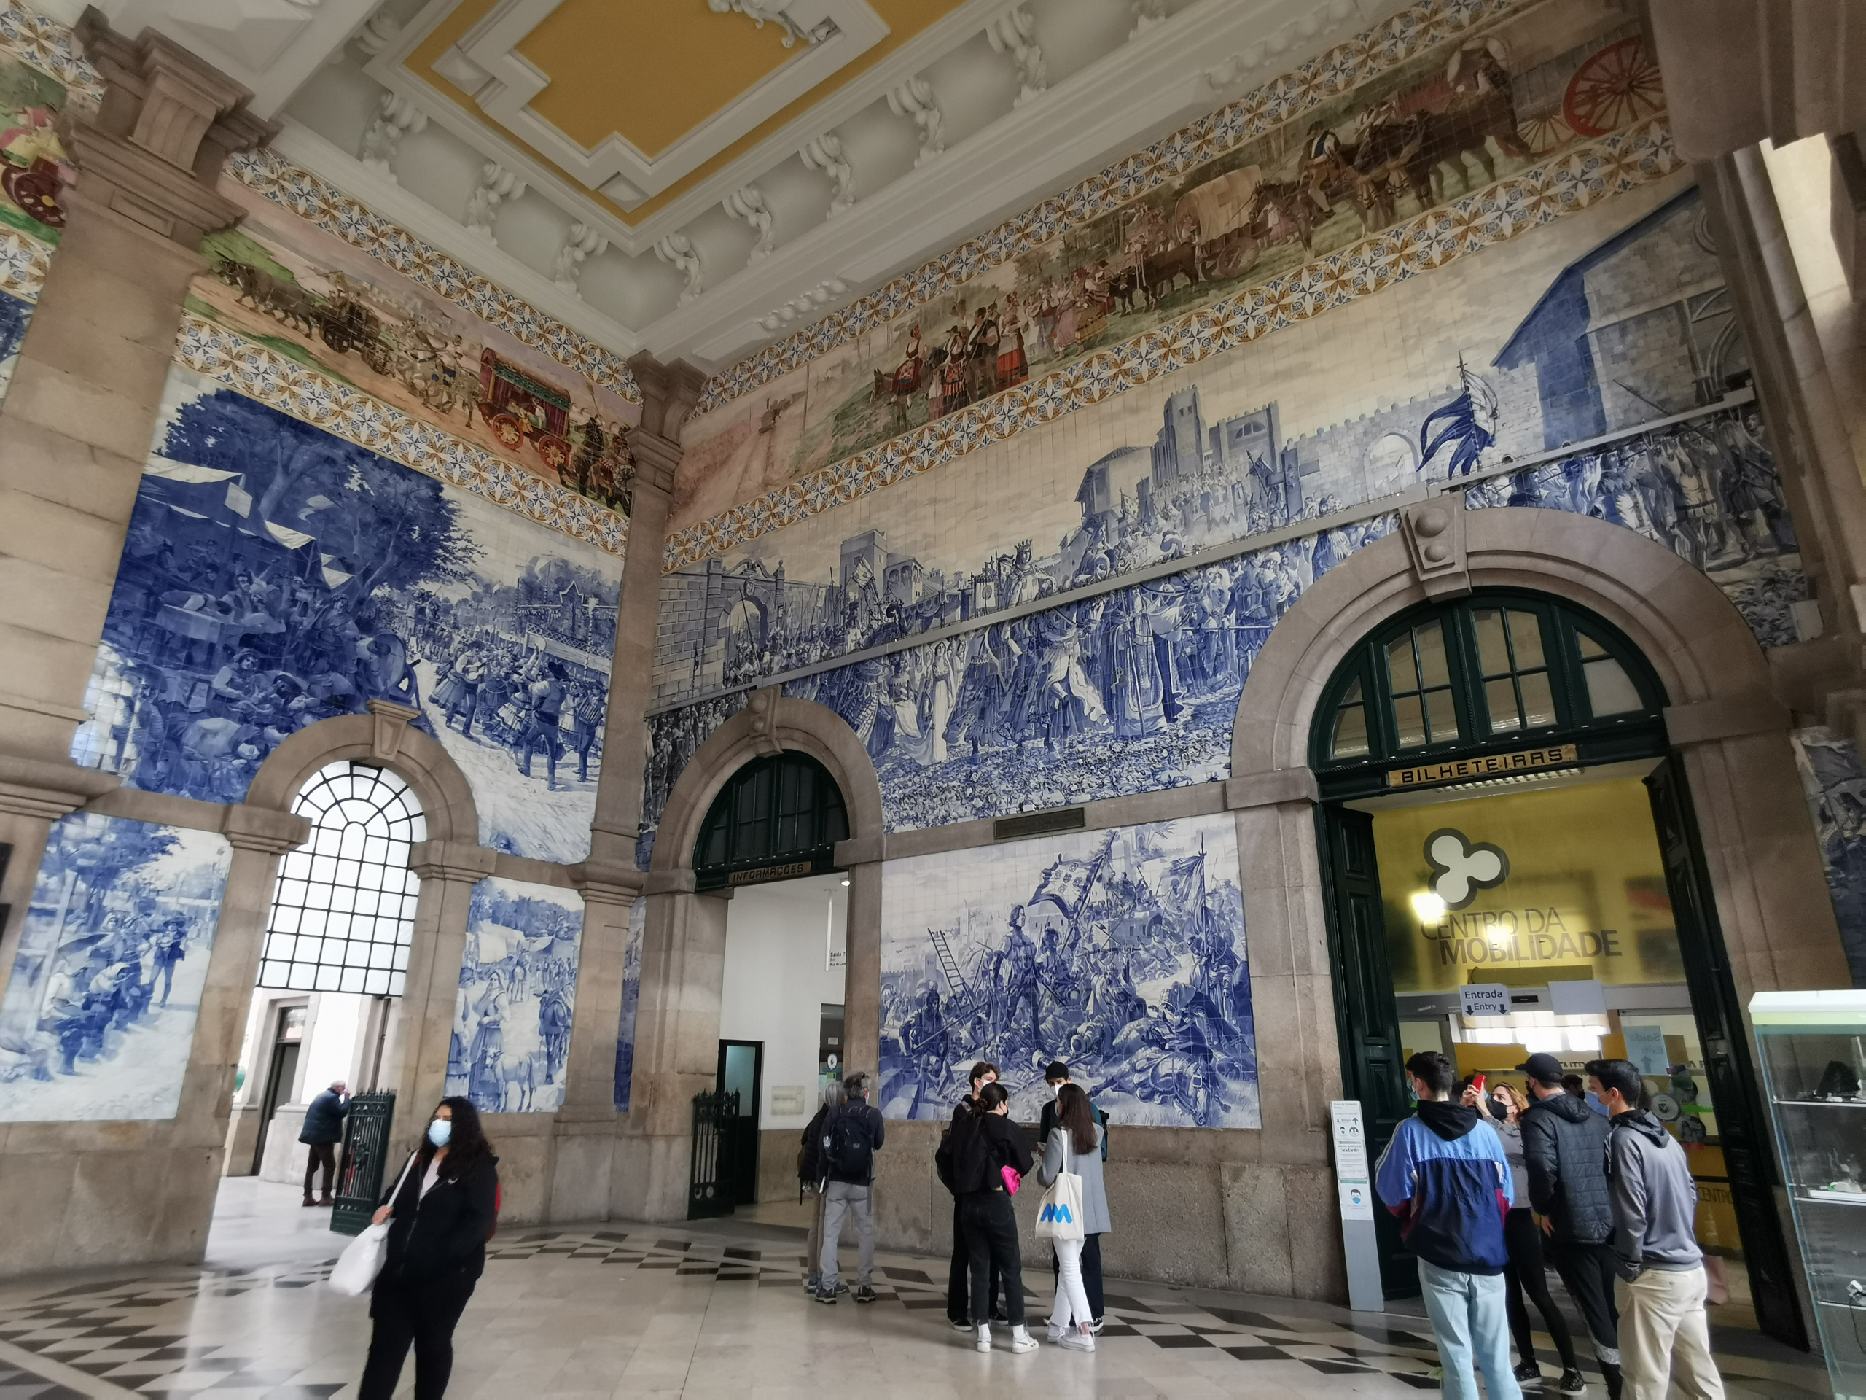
(1584, 898)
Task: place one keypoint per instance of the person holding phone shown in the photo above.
(440, 1212)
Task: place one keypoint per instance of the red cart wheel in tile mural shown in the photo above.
(1614, 88)
(1544, 132)
(34, 188)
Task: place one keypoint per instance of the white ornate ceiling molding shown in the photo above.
(486, 65)
(269, 47)
(1742, 71)
(782, 13)
(386, 66)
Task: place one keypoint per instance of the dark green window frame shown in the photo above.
(781, 810)
(1497, 670)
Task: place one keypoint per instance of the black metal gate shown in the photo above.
(706, 1193)
(366, 1154)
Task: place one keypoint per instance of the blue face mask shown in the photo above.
(440, 1132)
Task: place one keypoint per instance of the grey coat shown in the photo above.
(1086, 1165)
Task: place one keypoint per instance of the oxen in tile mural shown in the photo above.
(1409, 135)
(100, 1011)
(518, 989)
(1121, 952)
(276, 575)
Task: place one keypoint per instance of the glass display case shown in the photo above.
(1813, 1051)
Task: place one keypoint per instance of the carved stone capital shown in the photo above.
(392, 721)
(1434, 533)
(608, 882)
(1280, 787)
(655, 460)
(668, 393)
(168, 122)
(452, 860)
(32, 787)
(264, 829)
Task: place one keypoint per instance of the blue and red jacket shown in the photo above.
(1445, 1177)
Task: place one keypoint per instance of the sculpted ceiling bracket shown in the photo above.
(1434, 534)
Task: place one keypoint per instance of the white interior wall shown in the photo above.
(780, 942)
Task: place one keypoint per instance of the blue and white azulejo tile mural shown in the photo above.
(1121, 952)
(631, 1000)
(100, 1011)
(276, 575)
(1834, 780)
(518, 991)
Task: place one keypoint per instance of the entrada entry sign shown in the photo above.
(1485, 999)
(1495, 765)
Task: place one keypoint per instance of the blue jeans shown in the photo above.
(1472, 1327)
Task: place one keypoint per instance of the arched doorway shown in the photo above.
(770, 839)
(1511, 865)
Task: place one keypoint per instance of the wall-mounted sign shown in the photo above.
(1485, 999)
(787, 1100)
(1496, 765)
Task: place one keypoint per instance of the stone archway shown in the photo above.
(385, 737)
(683, 941)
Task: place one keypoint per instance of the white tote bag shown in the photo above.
(1059, 1215)
(356, 1268)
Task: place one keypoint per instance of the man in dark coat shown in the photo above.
(322, 1131)
(1565, 1149)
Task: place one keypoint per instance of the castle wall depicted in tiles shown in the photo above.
(1438, 102)
(275, 575)
(1601, 322)
(101, 1006)
(1121, 952)
(518, 989)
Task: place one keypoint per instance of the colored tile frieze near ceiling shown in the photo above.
(1237, 226)
(324, 310)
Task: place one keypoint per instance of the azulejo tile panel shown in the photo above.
(1834, 781)
(261, 373)
(1291, 95)
(518, 990)
(1121, 952)
(1576, 180)
(99, 1015)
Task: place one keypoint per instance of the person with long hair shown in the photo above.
(440, 1212)
(973, 1162)
(1525, 1273)
(1075, 1146)
(958, 1278)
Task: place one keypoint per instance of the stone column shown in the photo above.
(416, 1064)
(77, 420)
(863, 859)
(1280, 1210)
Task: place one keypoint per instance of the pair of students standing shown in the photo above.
(1446, 1177)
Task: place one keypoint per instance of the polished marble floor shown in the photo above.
(712, 1312)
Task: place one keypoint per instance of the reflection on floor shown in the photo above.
(790, 1213)
(703, 1311)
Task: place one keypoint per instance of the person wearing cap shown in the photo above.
(1055, 1077)
(1565, 1151)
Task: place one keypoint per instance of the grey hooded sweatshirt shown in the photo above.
(1654, 1198)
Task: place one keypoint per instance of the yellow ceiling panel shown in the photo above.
(653, 70)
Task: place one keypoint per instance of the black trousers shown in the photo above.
(1091, 1274)
(423, 1316)
(991, 1243)
(1587, 1272)
(959, 1276)
(1524, 1275)
(323, 1154)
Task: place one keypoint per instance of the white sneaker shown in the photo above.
(1056, 1330)
(1022, 1341)
(1078, 1341)
(981, 1338)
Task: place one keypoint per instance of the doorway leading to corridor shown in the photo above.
(1513, 867)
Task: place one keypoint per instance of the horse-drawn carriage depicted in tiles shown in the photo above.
(518, 408)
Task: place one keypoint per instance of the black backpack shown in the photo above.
(848, 1145)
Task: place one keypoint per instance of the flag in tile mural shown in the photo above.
(1121, 953)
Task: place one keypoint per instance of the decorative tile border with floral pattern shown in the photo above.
(270, 378)
(1277, 102)
(43, 43)
(24, 261)
(1572, 181)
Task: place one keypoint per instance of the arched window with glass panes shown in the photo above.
(344, 909)
(1489, 672)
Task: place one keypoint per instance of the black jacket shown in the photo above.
(324, 1119)
(441, 1238)
(1565, 1150)
(810, 1156)
(1046, 1120)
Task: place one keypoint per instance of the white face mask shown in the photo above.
(1056, 1091)
(440, 1132)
